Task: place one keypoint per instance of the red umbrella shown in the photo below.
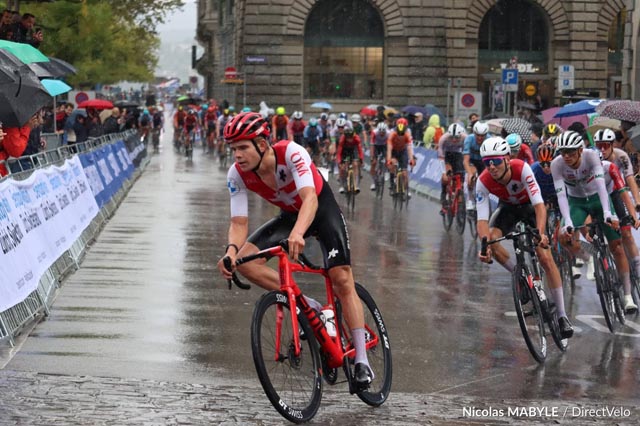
(96, 104)
(368, 111)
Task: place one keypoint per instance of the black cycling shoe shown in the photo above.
(363, 375)
(566, 329)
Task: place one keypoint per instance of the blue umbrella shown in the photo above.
(322, 105)
(432, 109)
(412, 109)
(55, 87)
(586, 106)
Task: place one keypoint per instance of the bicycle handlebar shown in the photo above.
(483, 248)
(264, 254)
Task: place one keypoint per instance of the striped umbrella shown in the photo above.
(519, 126)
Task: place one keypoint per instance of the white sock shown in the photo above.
(558, 298)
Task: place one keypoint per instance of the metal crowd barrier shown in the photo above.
(36, 305)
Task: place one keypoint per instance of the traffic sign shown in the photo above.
(230, 73)
(253, 59)
(510, 80)
(530, 90)
(566, 76)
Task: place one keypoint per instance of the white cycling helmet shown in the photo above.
(382, 127)
(333, 117)
(341, 122)
(455, 130)
(343, 115)
(356, 118)
(480, 129)
(569, 140)
(514, 140)
(297, 115)
(604, 135)
(494, 147)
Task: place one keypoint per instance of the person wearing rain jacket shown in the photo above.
(13, 141)
(433, 133)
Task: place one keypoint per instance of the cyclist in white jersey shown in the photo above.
(578, 177)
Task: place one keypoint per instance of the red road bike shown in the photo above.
(454, 206)
(293, 350)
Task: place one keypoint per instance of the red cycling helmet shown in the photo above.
(246, 125)
(545, 153)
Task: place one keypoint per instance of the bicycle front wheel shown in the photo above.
(461, 214)
(292, 382)
(529, 314)
(605, 292)
(447, 218)
(379, 355)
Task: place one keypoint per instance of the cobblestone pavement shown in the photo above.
(46, 399)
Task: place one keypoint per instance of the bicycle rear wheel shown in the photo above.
(529, 314)
(292, 383)
(379, 355)
(615, 284)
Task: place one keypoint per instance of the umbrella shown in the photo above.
(55, 87)
(390, 111)
(96, 104)
(368, 111)
(187, 100)
(548, 117)
(124, 103)
(412, 109)
(527, 105)
(58, 67)
(25, 52)
(579, 108)
(621, 110)
(20, 100)
(519, 126)
(603, 123)
(321, 105)
(432, 109)
(495, 125)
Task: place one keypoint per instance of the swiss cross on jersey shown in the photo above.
(514, 192)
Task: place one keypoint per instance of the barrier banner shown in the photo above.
(40, 218)
(428, 170)
(137, 150)
(106, 169)
(122, 155)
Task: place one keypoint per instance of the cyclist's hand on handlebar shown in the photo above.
(412, 162)
(487, 258)
(615, 224)
(636, 223)
(222, 268)
(296, 245)
(543, 240)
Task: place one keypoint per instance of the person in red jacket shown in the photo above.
(14, 141)
(349, 150)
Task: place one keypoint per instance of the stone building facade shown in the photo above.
(428, 49)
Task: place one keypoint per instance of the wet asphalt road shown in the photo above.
(146, 332)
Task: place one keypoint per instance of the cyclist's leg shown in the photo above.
(502, 222)
(356, 171)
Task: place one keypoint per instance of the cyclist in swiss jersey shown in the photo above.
(349, 152)
(399, 150)
(284, 175)
(512, 181)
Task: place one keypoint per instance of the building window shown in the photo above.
(343, 50)
(514, 28)
(615, 43)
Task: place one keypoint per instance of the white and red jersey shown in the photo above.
(294, 171)
(612, 177)
(521, 189)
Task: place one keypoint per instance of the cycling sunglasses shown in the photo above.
(492, 161)
(603, 145)
(568, 151)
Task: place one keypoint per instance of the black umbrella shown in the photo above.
(124, 103)
(58, 67)
(22, 98)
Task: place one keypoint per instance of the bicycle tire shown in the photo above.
(635, 287)
(447, 218)
(402, 194)
(615, 284)
(535, 340)
(297, 402)
(472, 218)
(460, 213)
(604, 293)
(379, 356)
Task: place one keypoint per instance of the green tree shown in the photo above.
(107, 41)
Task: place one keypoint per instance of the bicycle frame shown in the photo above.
(332, 347)
(454, 188)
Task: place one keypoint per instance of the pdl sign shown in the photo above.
(510, 80)
(566, 76)
(230, 73)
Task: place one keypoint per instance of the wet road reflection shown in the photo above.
(148, 301)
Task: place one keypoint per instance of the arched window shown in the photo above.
(343, 50)
(514, 28)
(616, 43)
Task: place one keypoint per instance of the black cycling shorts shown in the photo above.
(620, 209)
(507, 215)
(455, 160)
(379, 150)
(329, 227)
(478, 164)
(402, 157)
